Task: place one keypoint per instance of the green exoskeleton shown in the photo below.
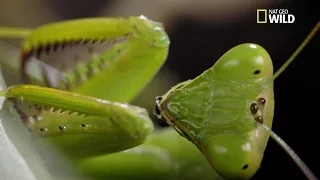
(224, 103)
(94, 67)
(227, 111)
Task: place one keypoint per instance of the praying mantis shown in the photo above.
(81, 103)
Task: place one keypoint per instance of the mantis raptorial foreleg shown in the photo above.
(221, 111)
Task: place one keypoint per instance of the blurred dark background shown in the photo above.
(201, 31)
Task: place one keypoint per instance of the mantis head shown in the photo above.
(214, 110)
(227, 111)
(237, 155)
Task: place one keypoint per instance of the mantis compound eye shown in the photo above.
(233, 156)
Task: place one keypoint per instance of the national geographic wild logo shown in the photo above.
(278, 16)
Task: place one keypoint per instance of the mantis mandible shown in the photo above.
(105, 63)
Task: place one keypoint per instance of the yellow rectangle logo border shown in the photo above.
(265, 16)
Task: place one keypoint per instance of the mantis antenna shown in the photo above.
(299, 49)
(295, 54)
(304, 168)
(308, 173)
